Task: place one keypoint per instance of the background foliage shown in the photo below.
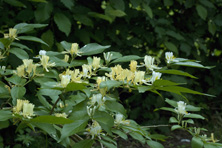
(189, 28)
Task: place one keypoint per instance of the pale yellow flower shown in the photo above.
(66, 58)
(75, 49)
(181, 108)
(130, 76)
(45, 62)
(76, 76)
(139, 77)
(21, 71)
(96, 63)
(18, 108)
(30, 67)
(28, 109)
(170, 57)
(12, 33)
(64, 115)
(86, 71)
(133, 65)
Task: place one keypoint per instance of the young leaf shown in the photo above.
(174, 127)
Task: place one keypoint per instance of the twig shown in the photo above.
(54, 106)
(152, 126)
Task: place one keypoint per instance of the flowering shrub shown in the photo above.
(76, 101)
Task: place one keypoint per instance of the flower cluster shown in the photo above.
(23, 107)
(120, 120)
(27, 69)
(181, 108)
(95, 129)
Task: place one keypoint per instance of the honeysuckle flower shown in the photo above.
(63, 115)
(170, 57)
(130, 76)
(96, 63)
(30, 67)
(100, 79)
(133, 65)
(65, 79)
(107, 57)
(76, 76)
(21, 71)
(66, 58)
(12, 34)
(181, 108)
(87, 70)
(90, 110)
(139, 77)
(42, 52)
(75, 49)
(95, 129)
(155, 76)
(120, 120)
(97, 98)
(115, 72)
(122, 75)
(18, 108)
(149, 63)
(45, 62)
(28, 110)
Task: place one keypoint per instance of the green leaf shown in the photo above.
(168, 2)
(201, 11)
(5, 115)
(59, 62)
(75, 127)
(126, 58)
(68, 3)
(107, 144)
(174, 127)
(48, 37)
(48, 128)
(115, 107)
(20, 53)
(173, 120)
(20, 45)
(63, 23)
(160, 82)
(75, 63)
(211, 145)
(171, 47)
(120, 133)
(51, 120)
(168, 109)
(109, 84)
(93, 48)
(32, 38)
(137, 136)
(190, 64)
(75, 86)
(15, 3)
(175, 35)
(24, 27)
(154, 144)
(212, 27)
(177, 72)
(43, 11)
(84, 19)
(2, 45)
(148, 10)
(84, 144)
(17, 93)
(105, 120)
(143, 89)
(196, 142)
(118, 4)
(16, 80)
(192, 108)
(44, 101)
(101, 16)
(171, 102)
(79, 112)
(196, 116)
(4, 91)
(4, 124)
(117, 13)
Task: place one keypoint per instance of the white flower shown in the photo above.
(107, 56)
(149, 63)
(170, 57)
(63, 115)
(95, 129)
(155, 76)
(45, 62)
(97, 98)
(119, 120)
(65, 79)
(87, 70)
(181, 109)
(28, 109)
(42, 52)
